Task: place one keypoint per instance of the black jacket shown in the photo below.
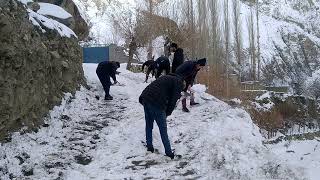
(178, 57)
(162, 62)
(147, 63)
(163, 92)
(188, 71)
(108, 68)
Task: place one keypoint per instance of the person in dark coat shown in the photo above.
(178, 57)
(162, 64)
(159, 100)
(189, 70)
(151, 68)
(105, 70)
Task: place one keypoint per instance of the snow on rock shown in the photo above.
(89, 138)
(39, 20)
(266, 95)
(25, 1)
(53, 10)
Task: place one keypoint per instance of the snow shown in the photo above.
(37, 19)
(266, 95)
(25, 1)
(263, 106)
(53, 10)
(300, 153)
(89, 138)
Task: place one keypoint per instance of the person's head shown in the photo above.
(201, 63)
(173, 47)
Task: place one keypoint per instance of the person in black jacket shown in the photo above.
(162, 64)
(159, 100)
(178, 57)
(151, 68)
(189, 70)
(105, 70)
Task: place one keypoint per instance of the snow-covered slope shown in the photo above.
(88, 138)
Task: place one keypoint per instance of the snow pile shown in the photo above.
(43, 22)
(53, 10)
(88, 138)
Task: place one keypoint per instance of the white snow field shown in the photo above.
(89, 138)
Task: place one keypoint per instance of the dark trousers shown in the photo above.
(153, 113)
(105, 81)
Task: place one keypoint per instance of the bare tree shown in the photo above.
(227, 42)
(252, 44)
(258, 38)
(237, 32)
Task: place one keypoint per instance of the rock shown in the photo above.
(34, 6)
(34, 73)
(65, 64)
(55, 54)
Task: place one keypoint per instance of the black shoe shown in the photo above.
(151, 149)
(193, 103)
(170, 155)
(108, 98)
(184, 109)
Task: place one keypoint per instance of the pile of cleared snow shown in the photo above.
(42, 21)
(53, 10)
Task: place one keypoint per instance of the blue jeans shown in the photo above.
(154, 113)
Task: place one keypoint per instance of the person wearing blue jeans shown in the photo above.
(152, 114)
(159, 100)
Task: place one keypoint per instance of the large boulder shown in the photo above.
(36, 69)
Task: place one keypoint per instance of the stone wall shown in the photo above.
(35, 69)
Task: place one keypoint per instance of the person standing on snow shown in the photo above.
(159, 100)
(189, 70)
(105, 70)
(178, 57)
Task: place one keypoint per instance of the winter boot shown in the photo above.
(192, 103)
(108, 98)
(151, 149)
(170, 155)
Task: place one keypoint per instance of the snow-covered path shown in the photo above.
(89, 138)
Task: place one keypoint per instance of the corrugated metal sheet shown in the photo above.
(95, 54)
